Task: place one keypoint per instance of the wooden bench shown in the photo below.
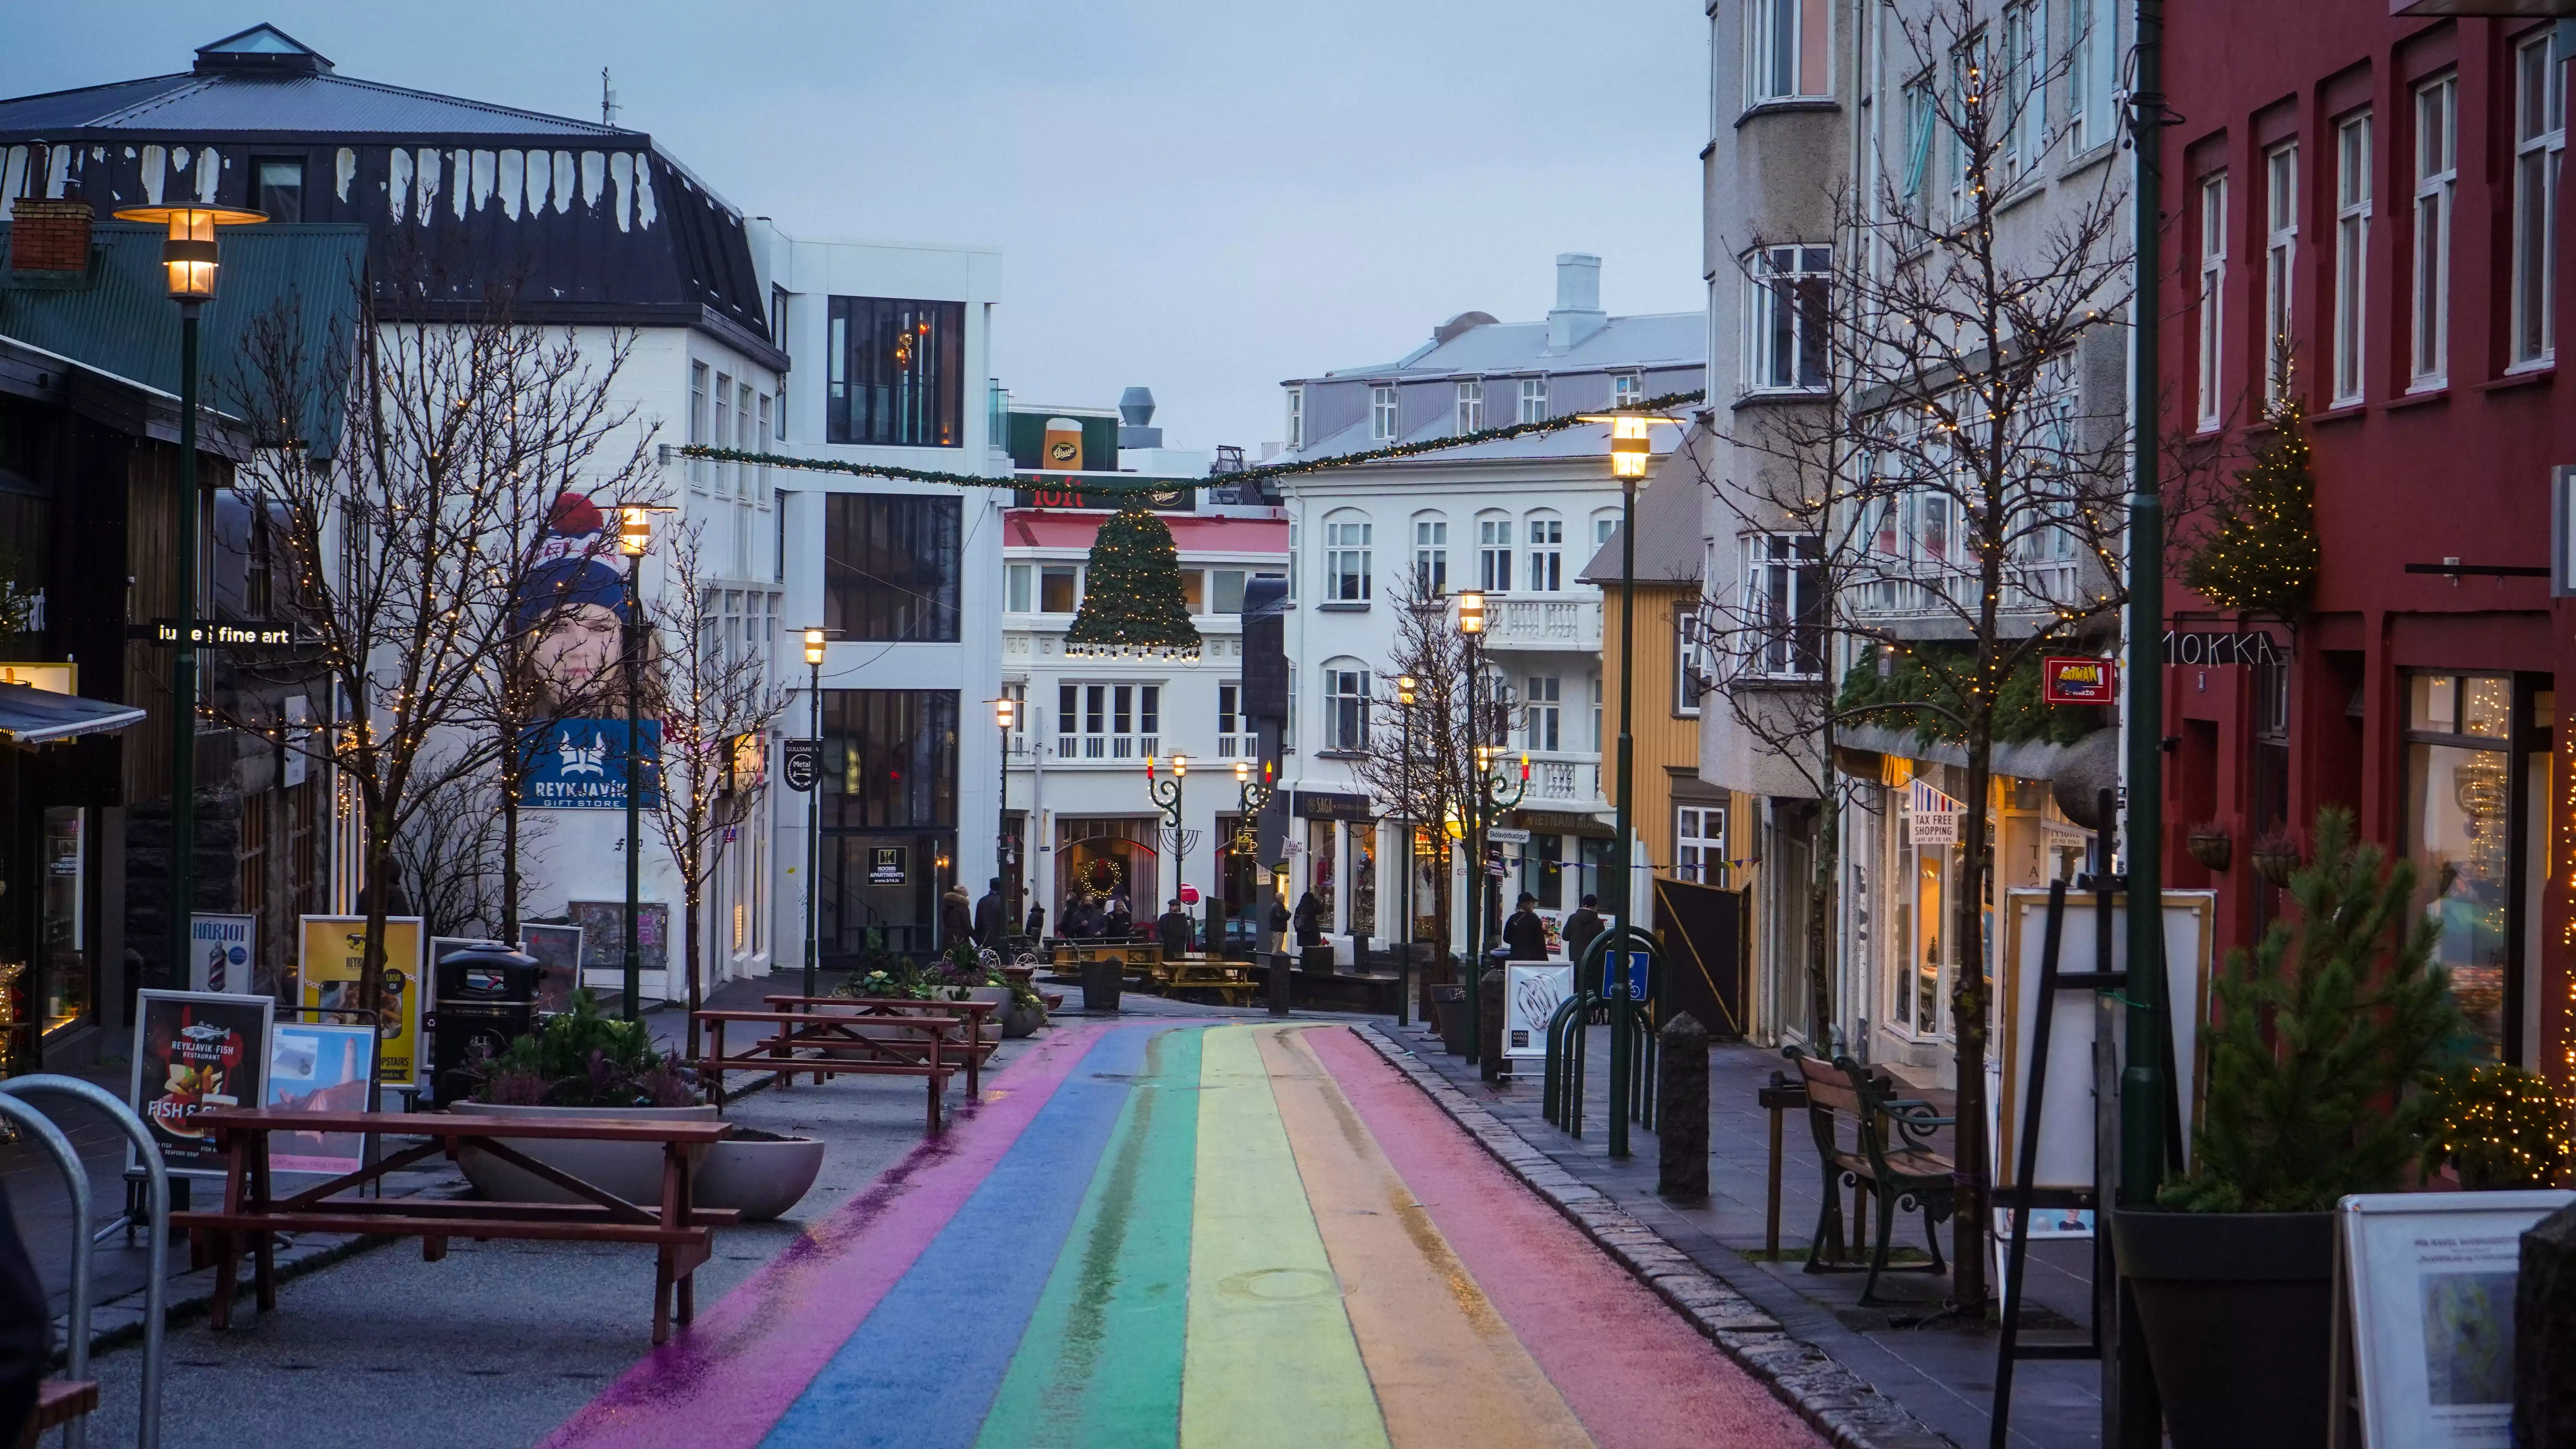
(1904, 1175)
(59, 1402)
(842, 1042)
(1231, 983)
(980, 1041)
(682, 1235)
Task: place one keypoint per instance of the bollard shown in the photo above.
(2544, 1335)
(1681, 1111)
(1489, 1026)
(1281, 986)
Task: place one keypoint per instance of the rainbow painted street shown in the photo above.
(1215, 1235)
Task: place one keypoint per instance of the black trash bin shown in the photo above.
(1451, 1003)
(1101, 980)
(486, 997)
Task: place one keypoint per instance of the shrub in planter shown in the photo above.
(580, 1058)
(2327, 1036)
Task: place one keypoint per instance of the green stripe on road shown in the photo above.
(1099, 1366)
(1271, 1359)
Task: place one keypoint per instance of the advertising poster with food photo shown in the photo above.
(328, 968)
(319, 1069)
(196, 1052)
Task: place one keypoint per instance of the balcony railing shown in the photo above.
(1107, 747)
(1237, 747)
(1543, 623)
(1952, 593)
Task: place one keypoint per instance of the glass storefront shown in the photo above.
(1321, 870)
(62, 926)
(2477, 766)
(889, 808)
(1363, 857)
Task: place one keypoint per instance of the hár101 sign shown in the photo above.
(2077, 680)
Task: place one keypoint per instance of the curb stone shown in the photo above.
(1838, 1403)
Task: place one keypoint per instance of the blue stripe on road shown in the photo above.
(922, 1371)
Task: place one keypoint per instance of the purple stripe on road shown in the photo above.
(723, 1381)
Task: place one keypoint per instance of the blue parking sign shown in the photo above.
(1637, 968)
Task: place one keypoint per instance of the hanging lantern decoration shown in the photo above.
(1132, 603)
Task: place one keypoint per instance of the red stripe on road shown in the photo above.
(1636, 1373)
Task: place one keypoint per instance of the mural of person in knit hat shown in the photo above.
(575, 602)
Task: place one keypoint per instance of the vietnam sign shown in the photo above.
(580, 764)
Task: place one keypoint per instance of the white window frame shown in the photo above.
(1112, 721)
(1533, 401)
(1346, 705)
(1296, 417)
(1382, 414)
(1779, 571)
(1543, 715)
(2213, 299)
(1546, 535)
(1699, 843)
(1431, 556)
(1471, 407)
(698, 423)
(1971, 54)
(2539, 141)
(1494, 554)
(2092, 75)
(1627, 390)
(2280, 256)
(1788, 301)
(2026, 87)
(2437, 179)
(2352, 258)
(1782, 60)
(1919, 120)
(1020, 584)
(1347, 550)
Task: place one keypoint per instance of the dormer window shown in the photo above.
(1382, 414)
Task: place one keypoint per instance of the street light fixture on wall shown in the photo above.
(189, 263)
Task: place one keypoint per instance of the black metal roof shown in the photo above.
(581, 223)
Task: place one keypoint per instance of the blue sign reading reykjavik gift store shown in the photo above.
(580, 764)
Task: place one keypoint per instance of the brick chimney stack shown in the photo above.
(48, 235)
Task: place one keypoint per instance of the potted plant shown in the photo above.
(583, 1064)
(2210, 844)
(2276, 858)
(2325, 1038)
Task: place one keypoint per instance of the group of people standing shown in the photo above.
(1087, 917)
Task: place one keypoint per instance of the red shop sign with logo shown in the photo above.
(2078, 680)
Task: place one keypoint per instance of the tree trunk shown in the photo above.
(1969, 995)
(379, 881)
(691, 890)
(510, 858)
(1820, 989)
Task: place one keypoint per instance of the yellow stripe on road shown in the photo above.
(1448, 1369)
(1270, 1357)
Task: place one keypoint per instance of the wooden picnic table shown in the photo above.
(841, 1042)
(980, 1041)
(1228, 979)
(682, 1235)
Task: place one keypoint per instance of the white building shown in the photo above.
(892, 344)
(1518, 518)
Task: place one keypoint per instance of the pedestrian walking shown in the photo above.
(1582, 927)
(989, 917)
(956, 919)
(1309, 920)
(1525, 934)
(1036, 929)
(1173, 929)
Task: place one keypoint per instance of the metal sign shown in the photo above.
(885, 865)
(1329, 805)
(219, 948)
(1507, 836)
(2077, 680)
(580, 764)
(803, 766)
(1638, 962)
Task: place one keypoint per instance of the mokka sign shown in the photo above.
(580, 764)
(2217, 647)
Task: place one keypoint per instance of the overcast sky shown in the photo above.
(1203, 196)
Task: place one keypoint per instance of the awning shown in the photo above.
(35, 716)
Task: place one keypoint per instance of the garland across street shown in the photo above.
(1165, 485)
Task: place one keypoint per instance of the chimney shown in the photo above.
(1577, 314)
(1135, 413)
(49, 235)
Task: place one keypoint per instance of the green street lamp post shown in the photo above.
(814, 806)
(1471, 627)
(188, 258)
(1251, 798)
(1167, 794)
(634, 539)
(1406, 687)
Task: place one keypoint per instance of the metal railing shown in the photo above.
(1554, 623)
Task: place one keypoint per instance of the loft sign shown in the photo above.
(2215, 648)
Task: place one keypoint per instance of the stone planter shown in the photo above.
(760, 1177)
(1019, 1021)
(2237, 1310)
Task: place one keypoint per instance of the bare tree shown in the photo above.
(1422, 762)
(403, 533)
(717, 702)
(449, 860)
(1950, 498)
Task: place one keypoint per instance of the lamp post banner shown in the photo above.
(580, 764)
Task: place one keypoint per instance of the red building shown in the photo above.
(2375, 201)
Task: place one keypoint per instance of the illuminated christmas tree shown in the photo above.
(1132, 601)
(2262, 552)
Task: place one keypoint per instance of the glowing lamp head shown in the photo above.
(634, 531)
(813, 646)
(188, 253)
(1471, 612)
(1002, 711)
(1630, 447)
(1180, 766)
(1484, 757)
(1243, 772)
(1404, 686)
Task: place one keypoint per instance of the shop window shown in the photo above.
(893, 372)
(891, 567)
(1699, 844)
(2476, 830)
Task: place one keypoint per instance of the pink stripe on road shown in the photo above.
(723, 1381)
(1636, 1373)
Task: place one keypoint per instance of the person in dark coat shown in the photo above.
(1525, 933)
(1119, 925)
(1581, 927)
(1036, 928)
(26, 1330)
(956, 918)
(1309, 920)
(1081, 919)
(1279, 924)
(1174, 929)
(989, 917)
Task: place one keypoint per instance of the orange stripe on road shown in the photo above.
(1447, 1369)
